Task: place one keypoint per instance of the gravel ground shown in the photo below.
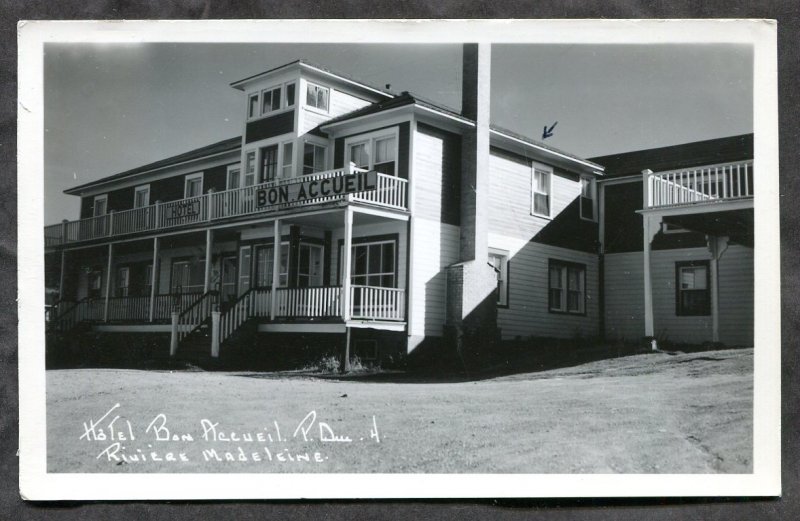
(650, 413)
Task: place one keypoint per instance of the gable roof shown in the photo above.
(219, 147)
(674, 157)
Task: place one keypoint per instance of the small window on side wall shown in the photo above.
(692, 294)
(567, 287)
(540, 203)
(498, 259)
(588, 199)
(317, 96)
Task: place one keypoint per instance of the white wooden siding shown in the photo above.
(340, 103)
(436, 246)
(624, 286)
(429, 166)
(510, 196)
(527, 313)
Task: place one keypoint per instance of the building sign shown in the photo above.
(302, 191)
(183, 209)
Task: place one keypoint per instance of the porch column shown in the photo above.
(346, 260)
(61, 275)
(651, 225)
(108, 280)
(154, 278)
(716, 245)
(276, 263)
(209, 245)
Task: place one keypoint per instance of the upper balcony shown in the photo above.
(342, 185)
(708, 185)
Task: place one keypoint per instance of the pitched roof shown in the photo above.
(708, 152)
(198, 153)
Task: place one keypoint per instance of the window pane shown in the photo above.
(319, 158)
(541, 181)
(359, 155)
(360, 260)
(233, 179)
(266, 101)
(384, 150)
(574, 301)
(253, 110)
(290, 95)
(555, 299)
(288, 160)
(388, 258)
(541, 204)
(555, 277)
(276, 99)
(693, 277)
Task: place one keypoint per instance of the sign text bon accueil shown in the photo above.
(317, 189)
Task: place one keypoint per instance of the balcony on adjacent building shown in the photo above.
(707, 185)
(384, 191)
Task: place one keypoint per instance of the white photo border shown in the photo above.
(37, 484)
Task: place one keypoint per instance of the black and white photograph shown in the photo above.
(521, 259)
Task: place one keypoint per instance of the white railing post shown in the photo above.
(157, 215)
(348, 246)
(110, 223)
(209, 204)
(173, 340)
(276, 263)
(215, 334)
(647, 196)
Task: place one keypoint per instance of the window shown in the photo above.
(188, 276)
(252, 106)
(373, 264)
(193, 186)
(290, 94)
(141, 196)
(541, 193)
(588, 198)
(317, 96)
(692, 283)
(244, 269)
(309, 266)
(100, 205)
(374, 152)
(288, 161)
(567, 287)
(270, 100)
(123, 281)
(250, 168)
(269, 164)
(95, 283)
(313, 158)
(264, 260)
(234, 177)
(499, 261)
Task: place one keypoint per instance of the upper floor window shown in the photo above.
(499, 261)
(542, 187)
(374, 152)
(313, 158)
(234, 177)
(567, 287)
(270, 100)
(288, 160)
(193, 185)
(100, 204)
(250, 168)
(141, 196)
(692, 296)
(317, 96)
(588, 198)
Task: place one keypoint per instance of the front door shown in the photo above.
(228, 278)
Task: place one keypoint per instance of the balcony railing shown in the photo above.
(724, 182)
(390, 192)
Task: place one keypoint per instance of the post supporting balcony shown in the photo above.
(154, 277)
(276, 262)
(108, 280)
(209, 246)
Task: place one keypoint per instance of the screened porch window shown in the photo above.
(373, 264)
(264, 260)
(188, 276)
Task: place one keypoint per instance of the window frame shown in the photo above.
(503, 300)
(549, 173)
(371, 138)
(593, 197)
(259, 101)
(101, 197)
(565, 266)
(368, 241)
(315, 144)
(229, 171)
(192, 177)
(190, 262)
(137, 190)
(679, 308)
(119, 289)
(314, 108)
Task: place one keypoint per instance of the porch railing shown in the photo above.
(256, 302)
(308, 302)
(714, 183)
(373, 303)
(196, 314)
(391, 192)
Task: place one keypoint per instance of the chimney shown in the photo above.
(475, 98)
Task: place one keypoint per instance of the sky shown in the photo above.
(112, 107)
